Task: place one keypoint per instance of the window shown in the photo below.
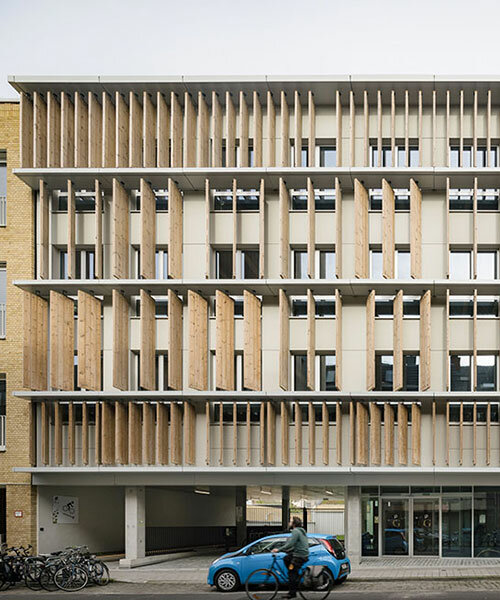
(249, 261)
(299, 264)
(324, 306)
(246, 200)
(3, 188)
(161, 371)
(410, 372)
(460, 264)
(238, 306)
(304, 155)
(3, 300)
(161, 264)
(247, 264)
(384, 307)
(383, 372)
(299, 306)
(327, 372)
(327, 156)
(323, 199)
(403, 264)
(468, 151)
(486, 372)
(223, 264)
(3, 398)
(486, 265)
(241, 412)
(84, 264)
(386, 154)
(327, 264)
(300, 372)
(401, 200)
(463, 199)
(460, 372)
(376, 264)
(84, 201)
(463, 307)
(318, 412)
(468, 412)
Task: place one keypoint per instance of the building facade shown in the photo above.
(262, 288)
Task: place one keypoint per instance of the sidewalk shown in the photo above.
(194, 570)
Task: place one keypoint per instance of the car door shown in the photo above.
(259, 556)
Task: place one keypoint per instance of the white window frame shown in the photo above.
(238, 371)
(320, 193)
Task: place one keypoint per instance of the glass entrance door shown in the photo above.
(426, 527)
(395, 526)
(457, 526)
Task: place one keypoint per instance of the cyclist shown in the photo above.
(297, 549)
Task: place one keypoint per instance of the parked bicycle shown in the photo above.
(315, 582)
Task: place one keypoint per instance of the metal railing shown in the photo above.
(3, 211)
(2, 432)
(3, 325)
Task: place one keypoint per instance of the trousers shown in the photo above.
(293, 564)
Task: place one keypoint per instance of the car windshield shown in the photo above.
(264, 546)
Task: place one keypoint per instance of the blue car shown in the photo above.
(231, 570)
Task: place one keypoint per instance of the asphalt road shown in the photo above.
(415, 595)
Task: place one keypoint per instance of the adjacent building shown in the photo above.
(266, 290)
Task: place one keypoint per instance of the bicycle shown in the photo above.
(315, 582)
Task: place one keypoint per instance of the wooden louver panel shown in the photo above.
(402, 434)
(107, 433)
(148, 342)
(44, 230)
(148, 437)
(285, 433)
(120, 240)
(398, 342)
(361, 434)
(202, 136)
(311, 341)
(252, 341)
(175, 433)
(175, 131)
(198, 341)
(122, 131)
(285, 132)
(62, 341)
(95, 131)
(284, 208)
(189, 132)
(148, 231)
(134, 434)
(284, 360)
(338, 340)
(98, 230)
(362, 250)
(36, 321)
(224, 352)
(81, 131)
(388, 434)
(271, 433)
(26, 131)
(162, 132)
(370, 341)
(375, 434)
(53, 131)
(425, 341)
(120, 309)
(89, 342)
(416, 433)
(415, 230)
(189, 433)
(135, 131)
(108, 131)
(121, 433)
(388, 236)
(174, 341)
(71, 249)
(257, 130)
(67, 131)
(175, 236)
(311, 229)
(217, 121)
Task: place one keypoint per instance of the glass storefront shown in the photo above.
(487, 522)
(395, 527)
(456, 526)
(426, 526)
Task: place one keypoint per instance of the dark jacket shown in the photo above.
(297, 544)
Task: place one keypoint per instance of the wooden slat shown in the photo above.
(425, 341)
(107, 433)
(175, 235)
(248, 428)
(162, 433)
(121, 433)
(217, 121)
(325, 433)
(311, 229)
(474, 230)
(162, 131)
(448, 128)
(39, 131)
(149, 125)
(44, 230)
(58, 445)
(98, 266)
(62, 341)
(352, 433)
(338, 116)
(375, 434)
(284, 356)
(262, 230)
(45, 433)
(271, 433)
(175, 434)
(434, 432)
(108, 131)
(67, 131)
(311, 341)
(388, 230)
(71, 228)
(189, 132)
(362, 248)
(235, 433)
(416, 434)
(120, 310)
(388, 434)
(35, 333)
(175, 131)
(447, 225)
(338, 340)
(362, 436)
(393, 128)
(120, 242)
(198, 341)
(415, 230)
(370, 341)
(26, 131)
(379, 128)
(338, 431)
(312, 433)
(407, 129)
(148, 231)
(252, 341)
(235, 226)
(224, 353)
(297, 130)
(243, 130)
(298, 434)
(81, 131)
(284, 208)
(202, 132)
(230, 132)
(97, 435)
(311, 137)
(148, 342)
(53, 131)
(352, 128)
(398, 342)
(338, 228)
(89, 341)
(262, 434)
(134, 434)
(208, 247)
(366, 138)
(461, 130)
(285, 132)
(402, 434)
(85, 433)
(135, 131)
(175, 329)
(285, 433)
(257, 131)
(121, 131)
(271, 131)
(148, 436)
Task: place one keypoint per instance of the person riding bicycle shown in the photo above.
(297, 549)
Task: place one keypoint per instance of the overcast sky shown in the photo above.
(247, 37)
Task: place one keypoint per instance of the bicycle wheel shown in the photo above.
(46, 578)
(71, 578)
(316, 587)
(261, 584)
(100, 573)
(32, 572)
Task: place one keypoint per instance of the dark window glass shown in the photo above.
(410, 372)
(300, 372)
(383, 372)
(84, 203)
(63, 264)
(486, 373)
(250, 264)
(299, 307)
(461, 307)
(411, 307)
(325, 307)
(224, 264)
(238, 307)
(247, 202)
(487, 307)
(461, 200)
(375, 200)
(161, 307)
(325, 201)
(299, 200)
(3, 396)
(384, 308)
(223, 202)
(327, 372)
(327, 156)
(300, 264)
(487, 201)
(162, 202)
(402, 202)
(62, 203)
(460, 371)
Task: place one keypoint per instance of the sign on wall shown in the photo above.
(64, 509)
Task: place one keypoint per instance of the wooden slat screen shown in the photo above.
(388, 230)
(81, 131)
(89, 341)
(224, 353)
(198, 341)
(71, 247)
(425, 341)
(44, 230)
(252, 341)
(162, 131)
(175, 235)
(189, 132)
(284, 205)
(121, 131)
(120, 242)
(284, 355)
(148, 231)
(36, 322)
(98, 231)
(148, 342)
(53, 131)
(189, 433)
(62, 341)
(175, 330)
(135, 131)
(398, 342)
(121, 433)
(108, 131)
(415, 230)
(148, 131)
(120, 310)
(175, 131)
(26, 131)
(311, 341)
(108, 433)
(370, 341)
(362, 250)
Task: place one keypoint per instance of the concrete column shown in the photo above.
(241, 515)
(135, 526)
(352, 523)
(285, 507)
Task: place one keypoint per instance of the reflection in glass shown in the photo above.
(326, 264)
(376, 264)
(426, 527)
(486, 372)
(460, 369)
(327, 372)
(486, 265)
(456, 526)
(403, 264)
(300, 373)
(300, 264)
(383, 372)
(460, 265)
(487, 522)
(395, 524)
(369, 526)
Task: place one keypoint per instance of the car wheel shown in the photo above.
(341, 580)
(226, 581)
